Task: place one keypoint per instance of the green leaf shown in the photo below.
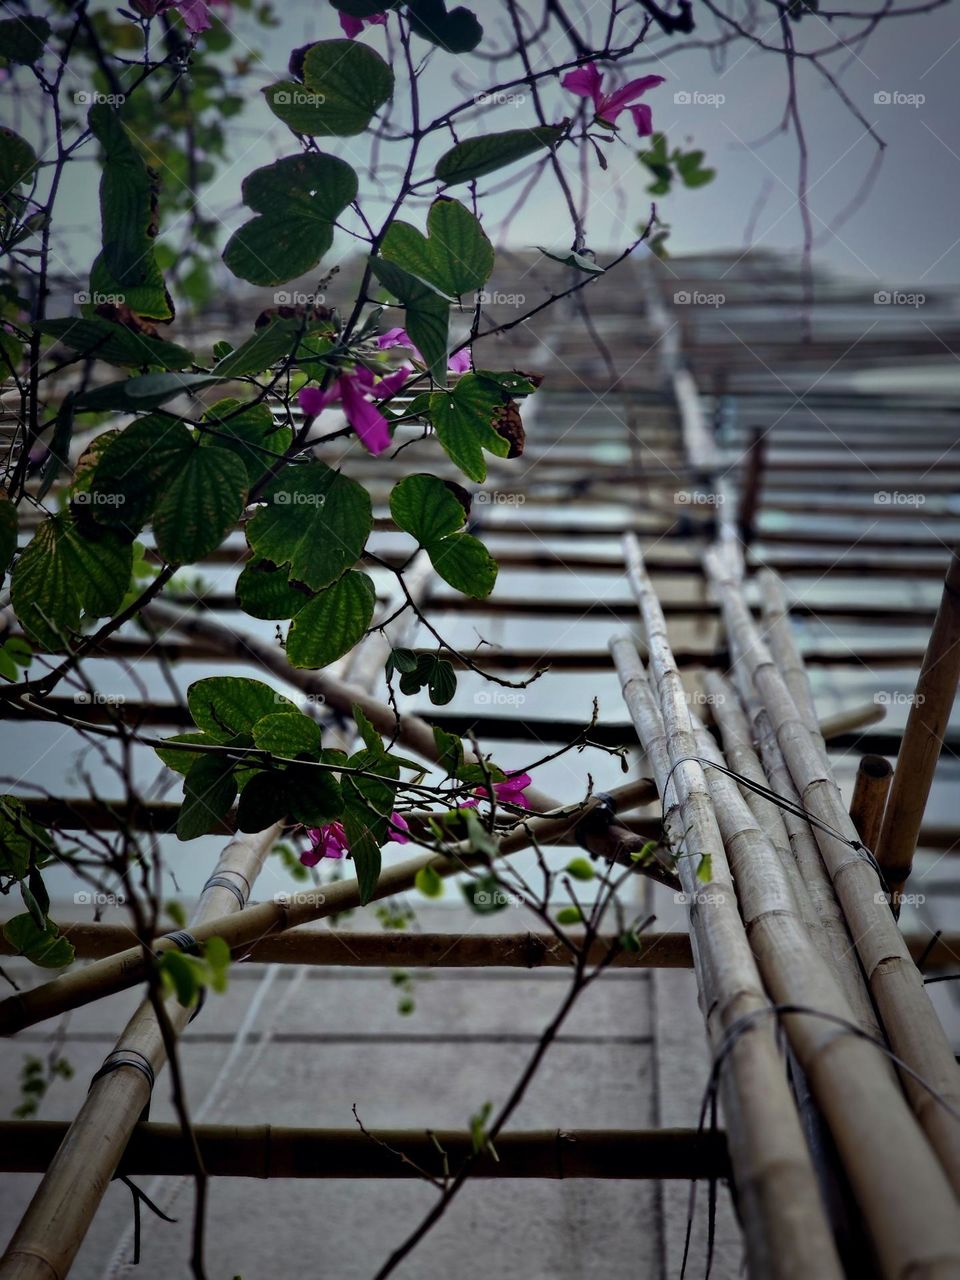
(149, 391)
(17, 159)
(705, 868)
(127, 267)
(265, 591)
(477, 157)
(428, 881)
(249, 431)
(317, 522)
(449, 751)
(181, 761)
(270, 343)
(442, 684)
(453, 257)
(156, 468)
(226, 706)
(23, 842)
(297, 201)
(580, 869)
(62, 574)
(296, 794)
(569, 915)
(485, 895)
(332, 622)
(457, 31)
(573, 259)
(43, 946)
(465, 563)
(473, 416)
(428, 508)
(286, 735)
(372, 739)
(402, 660)
(115, 343)
(22, 38)
(427, 314)
(209, 789)
(366, 830)
(344, 84)
(180, 975)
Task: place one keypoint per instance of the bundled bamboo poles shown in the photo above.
(786, 1231)
(908, 1018)
(127, 968)
(275, 1151)
(908, 1205)
(55, 1223)
(779, 636)
(923, 738)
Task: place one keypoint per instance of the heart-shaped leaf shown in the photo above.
(317, 522)
(344, 84)
(476, 415)
(228, 706)
(457, 31)
(454, 256)
(22, 38)
(250, 431)
(427, 314)
(264, 590)
(297, 201)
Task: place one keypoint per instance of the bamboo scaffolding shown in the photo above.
(53, 1227)
(870, 790)
(908, 1205)
(910, 1022)
(926, 725)
(785, 1227)
(127, 968)
(307, 946)
(276, 1151)
(782, 643)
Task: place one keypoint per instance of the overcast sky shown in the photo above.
(905, 232)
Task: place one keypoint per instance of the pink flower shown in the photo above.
(460, 362)
(587, 82)
(510, 791)
(354, 390)
(331, 841)
(352, 27)
(195, 13)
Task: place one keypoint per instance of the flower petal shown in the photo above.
(643, 119)
(399, 828)
(313, 401)
(196, 15)
(585, 81)
(351, 27)
(365, 418)
(461, 361)
(628, 93)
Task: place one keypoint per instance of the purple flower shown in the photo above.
(358, 392)
(587, 82)
(331, 841)
(459, 362)
(510, 791)
(352, 27)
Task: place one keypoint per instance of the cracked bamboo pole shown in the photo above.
(53, 1227)
(870, 791)
(923, 737)
(909, 1019)
(286, 911)
(786, 1231)
(906, 1200)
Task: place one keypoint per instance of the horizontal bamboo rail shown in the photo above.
(922, 740)
(276, 1151)
(908, 1018)
(786, 1231)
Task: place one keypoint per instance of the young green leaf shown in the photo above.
(330, 624)
(476, 157)
(454, 256)
(344, 84)
(428, 881)
(43, 946)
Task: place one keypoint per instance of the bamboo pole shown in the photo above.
(276, 1151)
(907, 1204)
(306, 946)
(909, 1019)
(785, 1226)
(870, 790)
(780, 638)
(53, 1227)
(105, 977)
(926, 725)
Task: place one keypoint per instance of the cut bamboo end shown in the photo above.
(874, 775)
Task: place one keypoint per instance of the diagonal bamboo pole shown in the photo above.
(870, 791)
(907, 1204)
(923, 737)
(785, 1226)
(909, 1019)
(53, 1227)
(783, 645)
(117, 973)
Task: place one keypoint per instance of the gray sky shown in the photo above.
(906, 232)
